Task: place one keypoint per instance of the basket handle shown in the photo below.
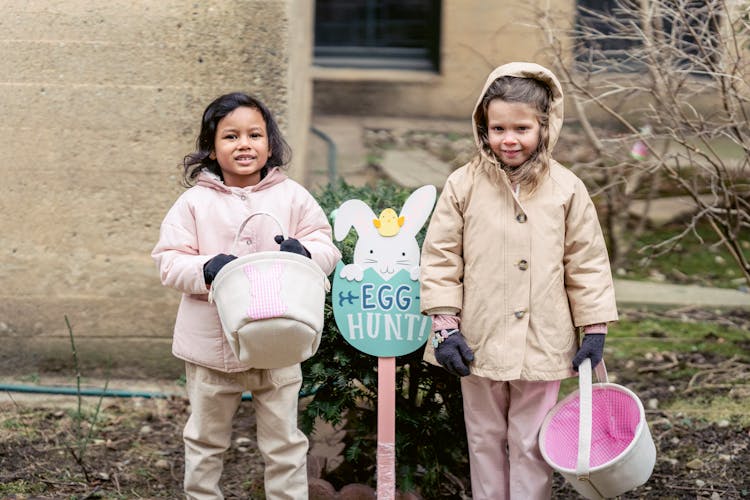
(585, 414)
(247, 219)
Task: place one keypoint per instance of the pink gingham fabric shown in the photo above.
(615, 419)
(445, 322)
(265, 291)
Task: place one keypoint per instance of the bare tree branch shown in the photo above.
(670, 75)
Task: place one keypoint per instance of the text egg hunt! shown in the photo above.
(380, 318)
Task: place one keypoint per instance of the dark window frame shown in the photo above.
(378, 34)
(617, 49)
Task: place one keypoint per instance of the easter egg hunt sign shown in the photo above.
(378, 317)
(375, 302)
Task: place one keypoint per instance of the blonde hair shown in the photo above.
(527, 91)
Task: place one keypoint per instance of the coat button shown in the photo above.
(243, 197)
(521, 218)
(519, 314)
(523, 265)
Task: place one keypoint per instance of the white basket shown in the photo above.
(597, 438)
(270, 305)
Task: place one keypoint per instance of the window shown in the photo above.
(609, 34)
(390, 34)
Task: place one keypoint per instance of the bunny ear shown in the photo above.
(353, 213)
(417, 208)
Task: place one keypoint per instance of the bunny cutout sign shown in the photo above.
(376, 297)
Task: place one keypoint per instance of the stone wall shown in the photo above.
(100, 102)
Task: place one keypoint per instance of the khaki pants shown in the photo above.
(502, 426)
(214, 399)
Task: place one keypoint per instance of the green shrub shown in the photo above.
(431, 450)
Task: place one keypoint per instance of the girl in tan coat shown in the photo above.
(513, 267)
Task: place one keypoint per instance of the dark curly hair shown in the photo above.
(200, 159)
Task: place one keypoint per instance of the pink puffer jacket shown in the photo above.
(202, 223)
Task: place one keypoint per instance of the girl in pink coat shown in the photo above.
(513, 269)
(236, 170)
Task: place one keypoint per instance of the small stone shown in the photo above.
(243, 441)
(715, 496)
(653, 404)
(723, 457)
(320, 489)
(695, 464)
(146, 429)
(103, 476)
(675, 441)
(700, 483)
(356, 491)
(161, 464)
(723, 423)
(657, 276)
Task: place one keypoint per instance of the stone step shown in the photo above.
(413, 168)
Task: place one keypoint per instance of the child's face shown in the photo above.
(512, 131)
(241, 146)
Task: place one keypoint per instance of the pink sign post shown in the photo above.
(386, 459)
(376, 303)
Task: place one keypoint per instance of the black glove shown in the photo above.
(453, 354)
(213, 266)
(592, 347)
(291, 245)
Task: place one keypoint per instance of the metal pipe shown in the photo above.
(114, 393)
(331, 153)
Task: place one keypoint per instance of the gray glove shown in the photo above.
(592, 347)
(452, 352)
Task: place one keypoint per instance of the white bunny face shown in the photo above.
(387, 258)
(387, 244)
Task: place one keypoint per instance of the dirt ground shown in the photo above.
(135, 449)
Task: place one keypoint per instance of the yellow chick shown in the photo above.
(389, 223)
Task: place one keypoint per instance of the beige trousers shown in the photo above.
(214, 399)
(502, 426)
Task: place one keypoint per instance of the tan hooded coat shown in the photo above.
(522, 271)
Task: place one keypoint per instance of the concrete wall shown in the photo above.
(476, 36)
(100, 102)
